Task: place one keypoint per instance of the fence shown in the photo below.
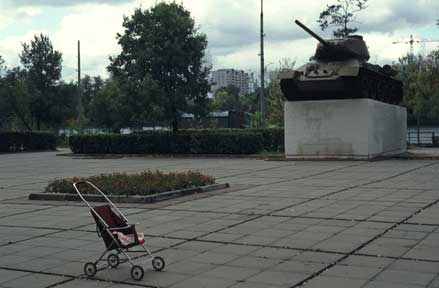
(422, 138)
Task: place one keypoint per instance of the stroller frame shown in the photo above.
(105, 230)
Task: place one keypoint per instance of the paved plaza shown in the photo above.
(280, 224)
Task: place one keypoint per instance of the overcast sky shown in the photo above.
(232, 29)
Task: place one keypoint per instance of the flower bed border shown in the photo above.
(130, 198)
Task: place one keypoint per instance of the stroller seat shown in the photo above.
(125, 234)
(127, 240)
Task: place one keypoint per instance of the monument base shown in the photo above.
(344, 129)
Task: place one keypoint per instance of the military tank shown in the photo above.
(339, 70)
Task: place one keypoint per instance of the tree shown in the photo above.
(256, 120)
(227, 98)
(90, 87)
(2, 63)
(276, 99)
(103, 107)
(64, 103)
(107, 108)
(161, 45)
(4, 117)
(420, 77)
(43, 67)
(341, 15)
(15, 100)
(251, 101)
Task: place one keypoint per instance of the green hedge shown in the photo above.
(27, 141)
(168, 143)
(272, 138)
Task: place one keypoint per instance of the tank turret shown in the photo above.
(339, 70)
(350, 47)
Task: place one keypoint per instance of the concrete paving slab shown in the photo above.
(334, 282)
(279, 278)
(34, 280)
(406, 277)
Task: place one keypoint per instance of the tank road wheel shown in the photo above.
(90, 269)
(137, 272)
(158, 263)
(113, 260)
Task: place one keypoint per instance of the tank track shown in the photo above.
(378, 86)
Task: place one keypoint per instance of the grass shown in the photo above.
(145, 183)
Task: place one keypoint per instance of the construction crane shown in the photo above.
(412, 42)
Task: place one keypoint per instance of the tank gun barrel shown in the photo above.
(309, 31)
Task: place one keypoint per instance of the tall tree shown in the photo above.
(15, 100)
(90, 87)
(341, 15)
(420, 76)
(43, 66)
(64, 103)
(4, 115)
(106, 108)
(162, 45)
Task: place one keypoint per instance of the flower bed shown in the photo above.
(143, 184)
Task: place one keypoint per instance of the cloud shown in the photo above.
(231, 24)
(232, 28)
(18, 16)
(62, 2)
(391, 15)
(11, 47)
(93, 24)
(96, 27)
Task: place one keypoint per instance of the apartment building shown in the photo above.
(239, 78)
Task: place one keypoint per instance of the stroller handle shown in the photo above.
(75, 185)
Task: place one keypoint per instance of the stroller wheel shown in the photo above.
(158, 263)
(90, 269)
(137, 272)
(113, 260)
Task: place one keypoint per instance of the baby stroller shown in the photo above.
(118, 236)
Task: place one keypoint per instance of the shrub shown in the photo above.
(26, 141)
(168, 143)
(62, 141)
(145, 183)
(272, 138)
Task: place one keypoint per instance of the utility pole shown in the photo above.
(80, 116)
(262, 92)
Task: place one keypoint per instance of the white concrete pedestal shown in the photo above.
(345, 129)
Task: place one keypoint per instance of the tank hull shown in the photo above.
(342, 81)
